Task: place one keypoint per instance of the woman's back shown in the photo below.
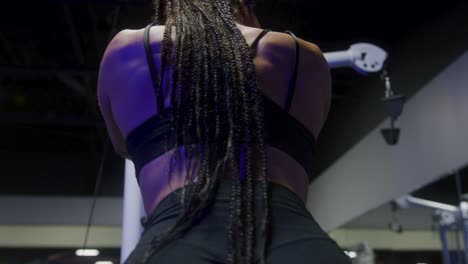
(127, 99)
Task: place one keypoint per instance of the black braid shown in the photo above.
(214, 92)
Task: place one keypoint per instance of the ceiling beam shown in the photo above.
(75, 40)
(11, 119)
(72, 83)
(36, 70)
(8, 49)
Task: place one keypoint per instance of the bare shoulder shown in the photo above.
(118, 54)
(313, 82)
(109, 60)
(311, 55)
(113, 52)
(135, 36)
(123, 40)
(119, 41)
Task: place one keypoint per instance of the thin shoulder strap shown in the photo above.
(253, 46)
(152, 67)
(292, 84)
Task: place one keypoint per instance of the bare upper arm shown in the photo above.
(316, 74)
(109, 76)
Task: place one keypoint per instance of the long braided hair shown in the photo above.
(214, 92)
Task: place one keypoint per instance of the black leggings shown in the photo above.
(296, 236)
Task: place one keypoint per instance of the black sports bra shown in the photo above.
(283, 131)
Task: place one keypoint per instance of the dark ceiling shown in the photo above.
(52, 137)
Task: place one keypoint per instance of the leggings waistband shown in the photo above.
(279, 196)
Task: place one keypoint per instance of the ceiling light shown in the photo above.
(87, 252)
(351, 254)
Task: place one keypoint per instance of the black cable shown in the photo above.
(97, 186)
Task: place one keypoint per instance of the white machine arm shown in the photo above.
(448, 215)
(363, 57)
(407, 200)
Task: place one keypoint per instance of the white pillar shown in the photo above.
(133, 210)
